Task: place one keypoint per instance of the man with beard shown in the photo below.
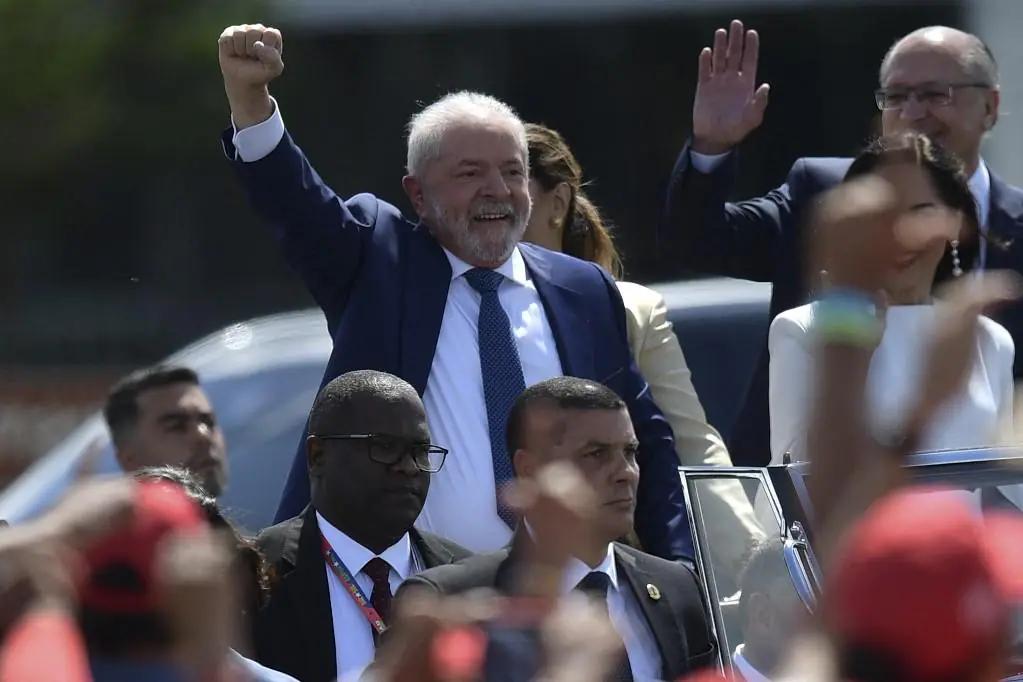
(937, 81)
(453, 304)
(160, 416)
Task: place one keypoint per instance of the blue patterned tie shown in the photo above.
(502, 373)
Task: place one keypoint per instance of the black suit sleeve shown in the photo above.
(706, 233)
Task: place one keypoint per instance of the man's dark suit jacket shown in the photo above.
(678, 619)
(382, 283)
(762, 239)
(294, 632)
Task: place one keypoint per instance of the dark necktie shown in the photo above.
(502, 374)
(595, 585)
(379, 572)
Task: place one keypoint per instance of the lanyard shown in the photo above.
(352, 587)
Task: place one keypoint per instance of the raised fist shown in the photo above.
(250, 55)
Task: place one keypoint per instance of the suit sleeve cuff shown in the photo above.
(707, 163)
(255, 142)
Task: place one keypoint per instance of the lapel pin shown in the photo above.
(652, 590)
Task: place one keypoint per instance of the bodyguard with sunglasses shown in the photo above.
(937, 81)
(337, 565)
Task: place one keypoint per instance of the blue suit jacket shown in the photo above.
(382, 283)
(762, 239)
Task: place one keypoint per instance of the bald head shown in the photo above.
(943, 83)
(975, 57)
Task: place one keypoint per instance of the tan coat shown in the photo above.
(659, 357)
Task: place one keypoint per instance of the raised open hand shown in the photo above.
(728, 104)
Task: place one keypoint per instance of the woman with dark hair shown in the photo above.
(934, 233)
(564, 219)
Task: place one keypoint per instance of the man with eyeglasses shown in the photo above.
(938, 81)
(336, 566)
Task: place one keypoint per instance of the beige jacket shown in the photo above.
(659, 356)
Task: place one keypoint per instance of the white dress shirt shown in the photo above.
(745, 668)
(462, 500)
(980, 188)
(626, 615)
(979, 183)
(980, 415)
(353, 635)
(462, 504)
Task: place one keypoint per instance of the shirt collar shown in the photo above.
(980, 188)
(514, 268)
(576, 570)
(746, 669)
(355, 556)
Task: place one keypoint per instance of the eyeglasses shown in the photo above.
(930, 96)
(385, 449)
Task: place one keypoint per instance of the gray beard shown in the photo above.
(475, 244)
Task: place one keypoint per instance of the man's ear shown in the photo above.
(414, 190)
(313, 455)
(994, 100)
(523, 464)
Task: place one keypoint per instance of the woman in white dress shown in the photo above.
(935, 201)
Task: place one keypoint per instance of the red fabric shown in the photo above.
(459, 653)
(45, 646)
(379, 572)
(160, 509)
(925, 578)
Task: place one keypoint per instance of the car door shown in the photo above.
(783, 551)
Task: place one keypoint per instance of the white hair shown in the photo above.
(426, 129)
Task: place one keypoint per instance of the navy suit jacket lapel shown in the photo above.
(565, 307)
(427, 277)
(1005, 223)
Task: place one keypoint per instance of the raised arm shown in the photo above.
(322, 236)
(701, 228)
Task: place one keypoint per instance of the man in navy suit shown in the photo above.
(453, 304)
(937, 81)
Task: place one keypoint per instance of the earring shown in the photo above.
(957, 271)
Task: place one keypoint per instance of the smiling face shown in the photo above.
(931, 61)
(922, 230)
(474, 195)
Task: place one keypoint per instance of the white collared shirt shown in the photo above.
(462, 500)
(980, 188)
(745, 668)
(626, 615)
(462, 504)
(353, 635)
